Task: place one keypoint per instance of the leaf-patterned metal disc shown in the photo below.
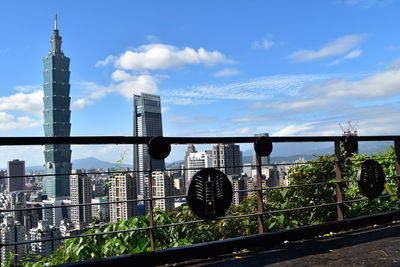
(371, 178)
(209, 194)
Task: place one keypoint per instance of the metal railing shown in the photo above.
(259, 190)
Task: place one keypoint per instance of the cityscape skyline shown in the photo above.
(242, 71)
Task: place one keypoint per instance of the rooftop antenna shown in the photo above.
(55, 22)
(350, 129)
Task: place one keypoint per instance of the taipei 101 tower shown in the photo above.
(57, 115)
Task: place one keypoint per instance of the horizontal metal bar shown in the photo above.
(69, 237)
(101, 140)
(301, 208)
(75, 205)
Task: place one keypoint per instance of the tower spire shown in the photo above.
(56, 38)
(55, 22)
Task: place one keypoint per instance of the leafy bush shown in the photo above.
(318, 171)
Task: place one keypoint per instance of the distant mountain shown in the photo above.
(281, 159)
(174, 164)
(284, 152)
(39, 168)
(94, 163)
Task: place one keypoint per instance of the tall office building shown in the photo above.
(16, 171)
(146, 122)
(57, 114)
(81, 193)
(227, 158)
(122, 188)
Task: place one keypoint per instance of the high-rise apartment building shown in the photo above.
(227, 158)
(12, 231)
(163, 186)
(44, 231)
(81, 193)
(16, 171)
(239, 184)
(122, 188)
(146, 122)
(187, 177)
(57, 114)
(196, 162)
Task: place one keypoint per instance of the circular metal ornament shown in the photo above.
(263, 146)
(159, 148)
(370, 178)
(350, 144)
(209, 194)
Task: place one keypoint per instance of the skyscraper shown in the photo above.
(81, 193)
(56, 118)
(16, 169)
(227, 158)
(146, 122)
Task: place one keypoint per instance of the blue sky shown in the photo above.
(283, 67)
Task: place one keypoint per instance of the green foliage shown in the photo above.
(295, 197)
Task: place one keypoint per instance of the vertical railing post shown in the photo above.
(339, 181)
(259, 195)
(397, 163)
(151, 215)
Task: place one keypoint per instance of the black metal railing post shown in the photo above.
(151, 215)
(259, 195)
(339, 181)
(397, 163)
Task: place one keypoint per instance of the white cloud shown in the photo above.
(80, 103)
(226, 73)
(296, 129)
(136, 85)
(165, 110)
(382, 84)
(11, 122)
(352, 54)
(161, 56)
(334, 48)
(27, 102)
(265, 43)
(27, 88)
(334, 93)
(261, 88)
(105, 62)
(186, 101)
(128, 86)
(120, 75)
